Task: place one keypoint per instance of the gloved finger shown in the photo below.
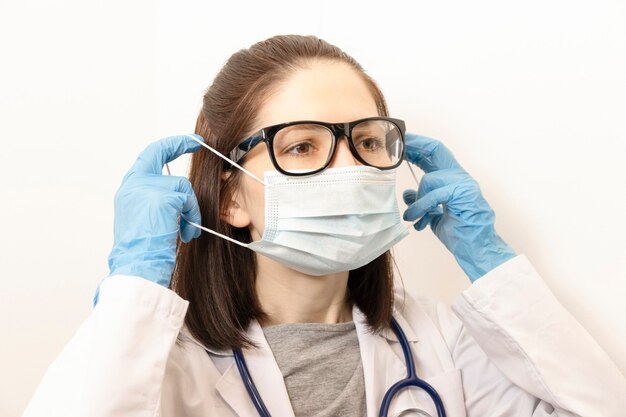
(152, 159)
(188, 232)
(186, 202)
(422, 223)
(429, 218)
(431, 200)
(428, 154)
(190, 211)
(441, 178)
(409, 196)
(169, 183)
(431, 181)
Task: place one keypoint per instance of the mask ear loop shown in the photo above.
(213, 232)
(413, 173)
(227, 159)
(167, 168)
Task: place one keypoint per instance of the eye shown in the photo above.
(299, 149)
(370, 143)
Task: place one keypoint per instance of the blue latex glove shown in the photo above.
(465, 224)
(147, 207)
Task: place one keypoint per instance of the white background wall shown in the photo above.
(530, 96)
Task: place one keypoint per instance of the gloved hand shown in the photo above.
(147, 207)
(465, 224)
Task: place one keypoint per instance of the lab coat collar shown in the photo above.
(186, 335)
(388, 333)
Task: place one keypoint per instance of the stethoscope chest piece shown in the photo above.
(412, 412)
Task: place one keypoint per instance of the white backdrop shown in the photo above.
(530, 97)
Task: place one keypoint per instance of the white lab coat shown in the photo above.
(510, 350)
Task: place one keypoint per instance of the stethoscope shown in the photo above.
(410, 380)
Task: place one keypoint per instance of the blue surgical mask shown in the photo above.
(334, 221)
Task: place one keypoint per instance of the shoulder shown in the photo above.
(190, 375)
(503, 292)
(190, 359)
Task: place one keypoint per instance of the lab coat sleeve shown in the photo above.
(522, 353)
(115, 363)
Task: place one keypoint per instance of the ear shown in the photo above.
(235, 214)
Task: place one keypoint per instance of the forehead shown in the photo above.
(326, 91)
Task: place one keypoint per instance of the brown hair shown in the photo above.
(217, 277)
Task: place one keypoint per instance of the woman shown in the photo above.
(295, 276)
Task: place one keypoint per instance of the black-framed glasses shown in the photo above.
(306, 147)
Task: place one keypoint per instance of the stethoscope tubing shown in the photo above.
(249, 383)
(411, 377)
(410, 380)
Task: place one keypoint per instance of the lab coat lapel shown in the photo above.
(266, 376)
(381, 367)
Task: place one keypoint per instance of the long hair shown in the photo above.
(218, 277)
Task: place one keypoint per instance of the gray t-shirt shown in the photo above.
(322, 368)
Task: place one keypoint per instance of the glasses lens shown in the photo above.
(302, 148)
(378, 142)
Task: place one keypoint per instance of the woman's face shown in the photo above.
(326, 91)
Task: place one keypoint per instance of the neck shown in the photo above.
(289, 296)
